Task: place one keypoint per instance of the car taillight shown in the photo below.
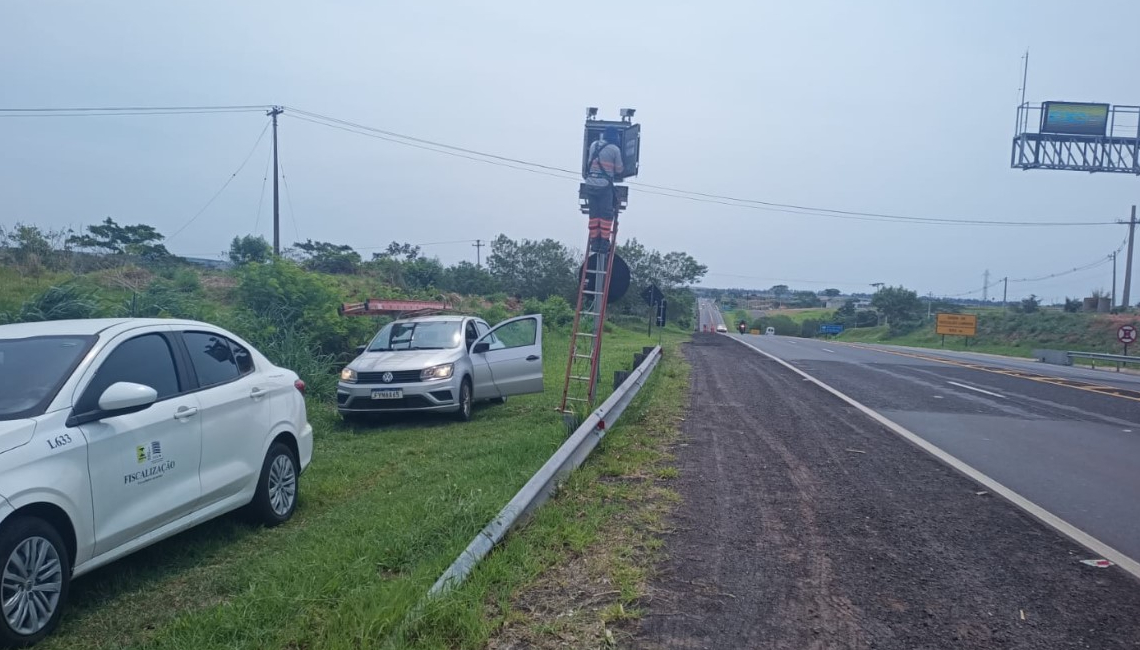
(300, 386)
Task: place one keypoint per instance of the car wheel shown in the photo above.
(37, 574)
(466, 401)
(276, 496)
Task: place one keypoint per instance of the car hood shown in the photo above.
(404, 359)
(15, 433)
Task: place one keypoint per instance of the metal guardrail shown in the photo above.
(545, 481)
(1065, 358)
(1098, 356)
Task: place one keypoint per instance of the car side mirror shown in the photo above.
(481, 347)
(125, 397)
(360, 349)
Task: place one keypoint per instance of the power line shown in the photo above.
(224, 185)
(549, 170)
(126, 110)
(289, 199)
(427, 148)
(722, 199)
(261, 197)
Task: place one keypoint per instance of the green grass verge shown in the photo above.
(384, 510)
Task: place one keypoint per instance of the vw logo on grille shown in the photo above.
(388, 377)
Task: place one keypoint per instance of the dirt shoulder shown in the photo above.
(803, 524)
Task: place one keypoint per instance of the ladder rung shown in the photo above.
(590, 313)
(583, 356)
(596, 271)
(593, 293)
(585, 334)
(576, 399)
(579, 378)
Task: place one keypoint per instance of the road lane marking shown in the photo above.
(1041, 514)
(1100, 389)
(826, 350)
(985, 392)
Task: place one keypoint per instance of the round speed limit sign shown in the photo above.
(1126, 334)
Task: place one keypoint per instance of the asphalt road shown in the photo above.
(805, 524)
(708, 315)
(1067, 439)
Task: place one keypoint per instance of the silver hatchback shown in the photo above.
(442, 363)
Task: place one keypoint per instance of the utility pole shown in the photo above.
(986, 286)
(479, 252)
(1004, 291)
(274, 112)
(1114, 279)
(1128, 261)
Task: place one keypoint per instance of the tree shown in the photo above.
(1072, 306)
(846, 314)
(33, 248)
(805, 299)
(325, 257)
(423, 273)
(468, 279)
(139, 240)
(831, 293)
(1030, 304)
(250, 250)
(532, 268)
(396, 250)
(901, 307)
(779, 290)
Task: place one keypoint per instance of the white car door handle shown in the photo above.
(257, 392)
(533, 357)
(185, 412)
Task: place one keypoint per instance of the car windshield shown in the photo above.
(417, 335)
(33, 369)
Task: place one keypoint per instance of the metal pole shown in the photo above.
(274, 112)
(1114, 279)
(1128, 261)
(1024, 81)
(1004, 292)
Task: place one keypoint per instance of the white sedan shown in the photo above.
(115, 434)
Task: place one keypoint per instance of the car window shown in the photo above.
(145, 360)
(417, 335)
(471, 333)
(482, 327)
(212, 358)
(32, 370)
(243, 357)
(517, 334)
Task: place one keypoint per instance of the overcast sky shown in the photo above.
(876, 106)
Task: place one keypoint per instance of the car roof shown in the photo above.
(87, 326)
(447, 318)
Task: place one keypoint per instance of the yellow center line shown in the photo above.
(1111, 391)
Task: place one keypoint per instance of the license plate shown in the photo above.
(388, 393)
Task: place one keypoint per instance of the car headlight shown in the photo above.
(348, 374)
(437, 372)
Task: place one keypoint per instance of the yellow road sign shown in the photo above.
(956, 325)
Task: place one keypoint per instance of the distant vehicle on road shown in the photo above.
(118, 433)
(442, 363)
(771, 331)
(721, 328)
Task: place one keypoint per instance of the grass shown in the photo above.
(1012, 334)
(384, 510)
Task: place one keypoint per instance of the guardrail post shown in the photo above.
(619, 378)
(638, 359)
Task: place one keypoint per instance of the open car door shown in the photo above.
(512, 353)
